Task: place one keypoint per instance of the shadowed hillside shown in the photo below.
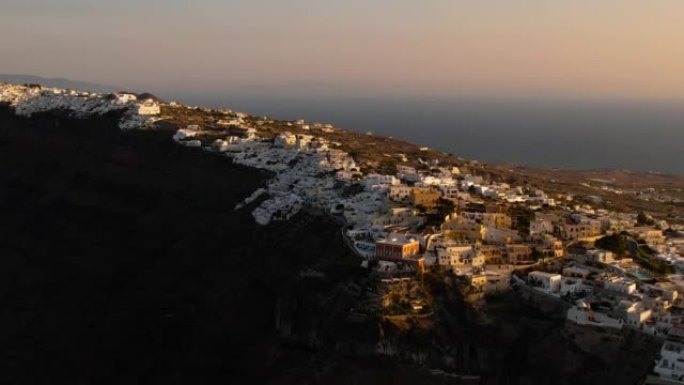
(123, 260)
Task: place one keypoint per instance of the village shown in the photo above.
(611, 269)
(30, 99)
(403, 217)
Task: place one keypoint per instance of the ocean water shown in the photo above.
(634, 135)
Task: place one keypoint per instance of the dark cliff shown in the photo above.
(122, 260)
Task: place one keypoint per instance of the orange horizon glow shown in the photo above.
(611, 48)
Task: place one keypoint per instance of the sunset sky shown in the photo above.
(596, 48)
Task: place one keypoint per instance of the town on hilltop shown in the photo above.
(404, 214)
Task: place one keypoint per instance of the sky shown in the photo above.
(579, 48)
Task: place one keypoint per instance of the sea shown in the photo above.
(552, 133)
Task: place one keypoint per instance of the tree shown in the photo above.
(445, 206)
(643, 219)
(537, 255)
(615, 243)
(387, 166)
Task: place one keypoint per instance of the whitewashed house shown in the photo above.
(497, 236)
(571, 286)
(582, 314)
(671, 363)
(400, 193)
(148, 107)
(548, 282)
(635, 313)
(620, 284)
(285, 139)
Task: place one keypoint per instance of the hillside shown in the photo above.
(124, 261)
(660, 195)
(123, 258)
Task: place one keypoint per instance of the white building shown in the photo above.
(285, 139)
(671, 363)
(380, 180)
(599, 255)
(455, 255)
(303, 141)
(408, 174)
(148, 107)
(582, 314)
(124, 98)
(620, 285)
(635, 313)
(571, 286)
(400, 193)
(183, 134)
(543, 223)
(463, 260)
(547, 281)
(496, 236)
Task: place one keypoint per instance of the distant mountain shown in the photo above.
(57, 82)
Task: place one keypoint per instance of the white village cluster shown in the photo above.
(28, 100)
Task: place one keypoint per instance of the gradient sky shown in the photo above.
(597, 48)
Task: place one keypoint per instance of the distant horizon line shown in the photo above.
(331, 90)
(497, 163)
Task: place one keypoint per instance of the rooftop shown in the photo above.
(397, 239)
(544, 274)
